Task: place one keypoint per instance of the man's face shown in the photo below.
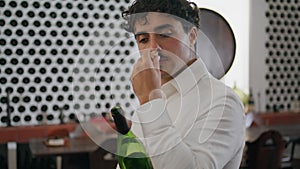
(163, 33)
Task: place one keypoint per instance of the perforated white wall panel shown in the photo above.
(64, 54)
(275, 54)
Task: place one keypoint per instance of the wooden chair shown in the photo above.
(289, 162)
(265, 152)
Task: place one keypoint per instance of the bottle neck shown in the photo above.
(120, 121)
(121, 125)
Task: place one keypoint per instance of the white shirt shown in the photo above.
(200, 124)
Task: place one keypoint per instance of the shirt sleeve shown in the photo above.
(202, 147)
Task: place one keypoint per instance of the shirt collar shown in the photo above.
(187, 79)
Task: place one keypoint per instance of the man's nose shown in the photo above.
(154, 43)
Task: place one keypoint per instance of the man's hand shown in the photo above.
(145, 78)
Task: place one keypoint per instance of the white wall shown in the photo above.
(258, 53)
(236, 12)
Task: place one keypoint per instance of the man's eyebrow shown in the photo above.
(161, 27)
(140, 33)
(156, 29)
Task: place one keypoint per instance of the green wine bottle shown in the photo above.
(131, 152)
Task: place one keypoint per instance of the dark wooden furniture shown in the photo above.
(265, 152)
(273, 118)
(75, 145)
(21, 134)
(33, 154)
(289, 162)
(79, 153)
(289, 131)
(287, 123)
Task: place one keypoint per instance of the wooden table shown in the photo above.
(276, 118)
(83, 152)
(84, 147)
(21, 134)
(287, 123)
(74, 145)
(290, 131)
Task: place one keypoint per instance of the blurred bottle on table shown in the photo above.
(250, 107)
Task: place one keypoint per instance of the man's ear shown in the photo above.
(193, 34)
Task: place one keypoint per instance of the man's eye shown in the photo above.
(143, 40)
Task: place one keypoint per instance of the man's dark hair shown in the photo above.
(183, 9)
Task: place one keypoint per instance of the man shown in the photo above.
(187, 119)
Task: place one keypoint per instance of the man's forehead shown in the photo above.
(154, 21)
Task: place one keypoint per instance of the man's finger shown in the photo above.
(156, 61)
(146, 57)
